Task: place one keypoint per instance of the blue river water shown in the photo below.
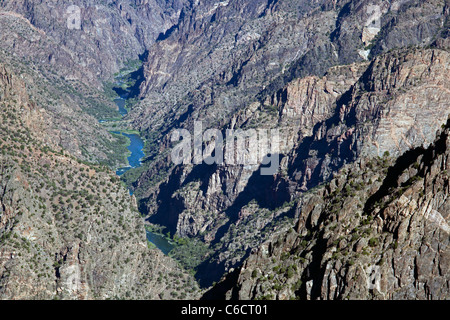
(136, 148)
(120, 102)
(160, 242)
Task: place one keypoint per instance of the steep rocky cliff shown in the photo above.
(394, 103)
(397, 104)
(69, 230)
(220, 57)
(332, 76)
(84, 40)
(356, 88)
(378, 230)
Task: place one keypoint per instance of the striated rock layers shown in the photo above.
(335, 77)
(84, 40)
(378, 230)
(222, 56)
(393, 104)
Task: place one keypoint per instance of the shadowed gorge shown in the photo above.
(349, 100)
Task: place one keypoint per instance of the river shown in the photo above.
(136, 148)
(120, 102)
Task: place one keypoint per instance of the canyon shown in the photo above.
(358, 89)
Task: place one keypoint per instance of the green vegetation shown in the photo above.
(189, 252)
(126, 77)
(130, 65)
(373, 242)
(117, 151)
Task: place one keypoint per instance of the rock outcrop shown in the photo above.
(84, 40)
(332, 76)
(378, 230)
(390, 105)
(397, 104)
(69, 230)
(356, 88)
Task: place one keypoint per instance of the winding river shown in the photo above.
(136, 148)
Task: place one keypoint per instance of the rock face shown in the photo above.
(84, 40)
(397, 104)
(378, 230)
(67, 67)
(223, 56)
(356, 111)
(335, 77)
(356, 88)
(69, 230)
